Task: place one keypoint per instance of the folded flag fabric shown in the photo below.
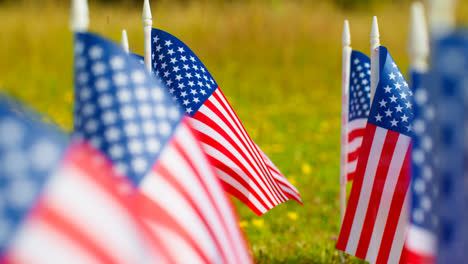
(236, 158)
(447, 87)
(420, 245)
(127, 114)
(359, 108)
(375, 222)
(60, 203)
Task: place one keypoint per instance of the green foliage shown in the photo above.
(278, 63)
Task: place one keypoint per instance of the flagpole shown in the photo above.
(125, 42)
(346, 65)
(79, 16)
(375, 44)
(441, 16)
(418, 40)
(147, 26)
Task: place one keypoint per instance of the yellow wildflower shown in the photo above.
(258, 223)
(306, 168)
(292, 215)
(243, 224)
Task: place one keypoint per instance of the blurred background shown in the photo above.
(278, 63)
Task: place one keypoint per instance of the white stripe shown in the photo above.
(38, 242)
(351, 167)
(258, 172)
(184, 175)
(400, 233)
(355, 144)
(249, 142)
(95, 213)
(158, 190)
(388, 192)
(357, 124)
(203, 128)
(190, 144)
(420, 240)
(366, 189)
(291, 192)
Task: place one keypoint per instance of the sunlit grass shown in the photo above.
(279, 65)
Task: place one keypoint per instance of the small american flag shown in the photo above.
(60, 203)
(374, 226)
(359, 108)
(236, 158)
(449, 87)
(130, 116)
(420, 245)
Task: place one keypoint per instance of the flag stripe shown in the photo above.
(400, 233)
(356, 133)
(384, 162)
(347, 223)
(252, 147)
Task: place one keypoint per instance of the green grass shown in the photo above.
(278, 64)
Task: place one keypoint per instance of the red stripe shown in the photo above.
(156, 214)
(66, 228)
(398, 199)
(215, 144)
(353, 155)
(253, 148)
(211, 199)
(391, 139)
(356, 189)
(260, 170)
(410, 257)
(351, 175)
(356, 133)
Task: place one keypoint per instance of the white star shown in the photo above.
(398, 86)
(181, 85)
(400, 75)
(202, 92)
(188, 110)
(383, 103)
(161, 56)
(158, 48)
(388, 112)
(378, 117)
(387, 89)
(120, 79)
(392, 76)
(404, 118)
(183, 58)
(188, 75)
(164, 65)
(393, 99)
(168, 82)
(356, 61)
(95, 52)
(138, 77)
(171, 91)
(166, 73)
(173, 60)
(408, 105)
(192, 91)
(410, 128)
(181, 50)
(203, 70)
(183, 94)
(191, 83)
(98, 68)
(168, 43)
(170, 52)
(186, 67)
(394, 65)
(359, 68)
(152, 56)
(117, 63)
(176, 69)
(403, 95)
(186, 102)
(365, 81)
(399, 108)
(195, 100)
(178, 77)
(394, 122)
(155, 39)
(197, 75)
(192, 58)
(195, 67)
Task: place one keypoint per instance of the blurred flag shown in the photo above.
(374, 227)
(448, 86)
(420, 245)
(236, 158)
(59, 207)
(130, 116)
(359, 107)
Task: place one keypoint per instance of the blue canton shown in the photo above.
(449, 85)
(30, 151)
(119, 107)
(423, 189)
(179, 68)
(359, 86)
(392, 106)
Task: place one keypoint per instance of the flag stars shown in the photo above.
(186, 102)
(398, 86)
(183, 94)
(95, 52)
(196, 100)
(378, 118)
(183, 58)
(195, 67)
(388, 89)
(193, 91)
(170, 52)
(408, 105)
(178, 77)
(176, 69)
(403, 95)
(192, 58)
(393, 99)
(186, 67)
(394, 122)
(155, 40)
(188, 75)
(173, 60)
(164, 65)
(191, 83)
(383, 103)
(188, 110)
(181, 50)
(181, 86)
(399, 108)
(168, 43)
(158, 48)
(388, 112)
(392, 76)
(161, 57)
(404, 118)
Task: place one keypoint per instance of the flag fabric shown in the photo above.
(420, 245)
(359, 108)
(130, 116)
(375, 222)
(448, 87)
(239, 163)
(60, 203)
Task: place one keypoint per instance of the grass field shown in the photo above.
(277, 62)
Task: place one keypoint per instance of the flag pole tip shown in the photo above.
(146, 11)
(125, 45)
(79, 15)
(375, 28)
(346, 38)
(418, 35)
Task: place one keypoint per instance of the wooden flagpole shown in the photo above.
(346, 65)
(375, 44)
(147, 26)
(79, 16)
(125, 42)
(418, 40)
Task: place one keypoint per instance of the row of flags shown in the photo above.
(406, 157)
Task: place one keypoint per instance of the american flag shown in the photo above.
(448, 87)
(420, 245)
(60, 203)
(130, 116)
(236, 158)
(359, 107)
(374, 226)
